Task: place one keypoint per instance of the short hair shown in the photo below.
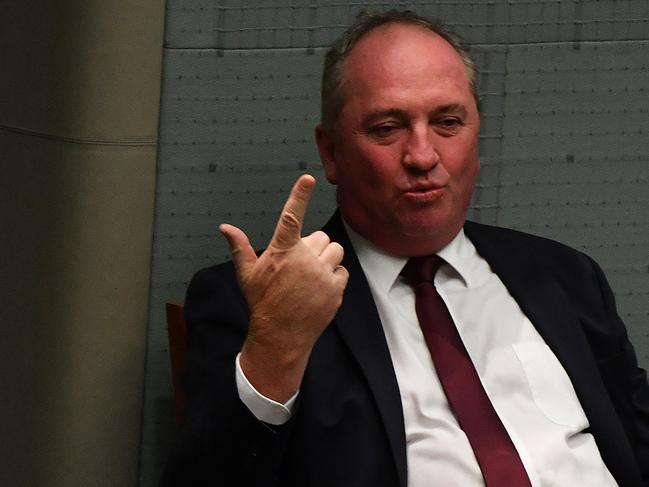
(332, 97)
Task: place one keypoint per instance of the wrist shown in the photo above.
(273, 371)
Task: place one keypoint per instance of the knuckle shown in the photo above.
(344, 273)
(336, 253)
(289, 219)
(322, 236)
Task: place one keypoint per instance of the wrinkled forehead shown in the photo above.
(403, 56)
(399, 52)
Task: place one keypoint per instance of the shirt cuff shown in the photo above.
(263, 408)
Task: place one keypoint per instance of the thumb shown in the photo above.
(243, 255)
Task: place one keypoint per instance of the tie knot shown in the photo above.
(421, 269)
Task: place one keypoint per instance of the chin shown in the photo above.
(438, 231)
(427, 223)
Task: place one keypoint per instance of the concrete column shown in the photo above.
(79, 104)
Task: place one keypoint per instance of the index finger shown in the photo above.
(289, 226)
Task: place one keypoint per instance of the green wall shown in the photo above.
(79, 105)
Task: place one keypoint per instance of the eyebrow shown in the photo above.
(452, 108)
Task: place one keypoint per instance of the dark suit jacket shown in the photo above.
(348, 427)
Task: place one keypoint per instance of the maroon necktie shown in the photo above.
(498, 459)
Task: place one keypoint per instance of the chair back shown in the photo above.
(177, 331)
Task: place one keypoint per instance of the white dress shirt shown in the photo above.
(525, 382)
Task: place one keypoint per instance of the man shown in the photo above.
(314, 370)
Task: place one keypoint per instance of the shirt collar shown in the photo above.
(383, 269)
(462, 257)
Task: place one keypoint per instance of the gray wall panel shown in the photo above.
(564, 140)
(278, 24)
(575, 165)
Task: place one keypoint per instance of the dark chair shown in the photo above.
(177, 331)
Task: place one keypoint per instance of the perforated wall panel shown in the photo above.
(564, 145)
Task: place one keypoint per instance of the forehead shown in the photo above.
(404, 56)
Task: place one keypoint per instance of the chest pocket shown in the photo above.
(551, 388)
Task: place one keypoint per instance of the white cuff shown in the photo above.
(263, 408)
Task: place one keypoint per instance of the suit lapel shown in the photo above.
(359, 325)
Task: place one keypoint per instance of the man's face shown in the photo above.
(404, 155)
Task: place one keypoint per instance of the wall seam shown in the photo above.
(132, 142)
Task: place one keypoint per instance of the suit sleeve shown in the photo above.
(221, 442)
(624, 379)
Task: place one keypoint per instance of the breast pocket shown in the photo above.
(551, 388)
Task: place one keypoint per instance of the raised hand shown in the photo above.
(293, 290)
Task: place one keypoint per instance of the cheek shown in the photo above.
(370, 168)
(383, 165)
(463, 164)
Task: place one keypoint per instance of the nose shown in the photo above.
(420, 151)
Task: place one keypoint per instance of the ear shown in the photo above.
(327, 150)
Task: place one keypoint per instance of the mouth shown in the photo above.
(424, 193)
